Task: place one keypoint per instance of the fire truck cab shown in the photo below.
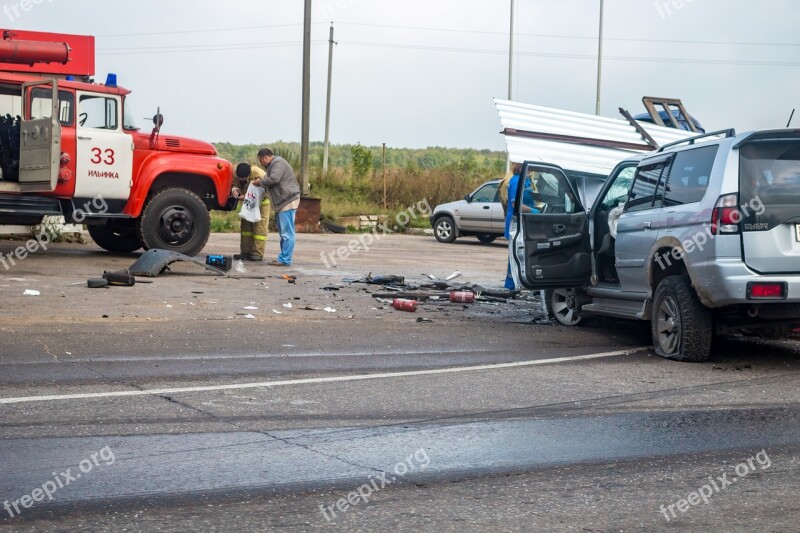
(70, 147)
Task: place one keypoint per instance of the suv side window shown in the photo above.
(689, 175)
(487, 193)
(619, 190)
(643, 190)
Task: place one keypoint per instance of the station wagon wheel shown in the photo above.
(444, 229)
(563, 305)
(487, 238)
(682, 327)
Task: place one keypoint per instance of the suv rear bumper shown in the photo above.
(723, 282)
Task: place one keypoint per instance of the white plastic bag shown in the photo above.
(251, 205)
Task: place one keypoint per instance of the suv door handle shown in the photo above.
(647, 225)
(487, 207)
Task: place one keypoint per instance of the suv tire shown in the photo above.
(487, 238)
(444, 229)
(682, 327)
(563, 305)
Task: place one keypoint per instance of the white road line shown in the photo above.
(215, 357)
(334, 379)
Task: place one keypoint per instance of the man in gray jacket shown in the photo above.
(284, 193)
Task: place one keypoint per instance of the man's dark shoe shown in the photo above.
(255, 257)
(241, 256)
(277, 264)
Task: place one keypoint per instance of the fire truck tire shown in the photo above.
(115, 238)
(175, 219)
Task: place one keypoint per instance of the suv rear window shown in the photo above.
(770, 170)
(688, 176)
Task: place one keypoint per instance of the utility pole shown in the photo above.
(331, 42)
(510, 48)
(306, 99)
(384, 175)
(599, 60)
(510, 68)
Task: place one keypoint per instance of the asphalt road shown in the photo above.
(162, 407)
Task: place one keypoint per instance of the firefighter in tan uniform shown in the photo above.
(253, 235)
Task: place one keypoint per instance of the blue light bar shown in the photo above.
(111, 80)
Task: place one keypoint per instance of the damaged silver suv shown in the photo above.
(701, 238)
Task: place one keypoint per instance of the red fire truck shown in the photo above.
(70, 147)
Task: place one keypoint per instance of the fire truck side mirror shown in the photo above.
(158, 120)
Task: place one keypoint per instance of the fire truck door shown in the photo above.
(105, 151)
(40, 140)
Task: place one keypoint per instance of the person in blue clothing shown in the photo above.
(527, 207)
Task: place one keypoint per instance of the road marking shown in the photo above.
(334, 379)
(215, 357)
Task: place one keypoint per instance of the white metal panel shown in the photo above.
(574, 156)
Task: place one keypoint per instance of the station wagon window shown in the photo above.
(689, 175)
(643, 190)
(98, 112)
(487, 193)
(42, 105)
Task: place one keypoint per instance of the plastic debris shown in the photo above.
(454, 275)
(240, 266)
(423, 319)
(288, 306)
(329, 310)
(249, 316)
(250, 308)
(31, 292)
(430, 276)
(277, 312)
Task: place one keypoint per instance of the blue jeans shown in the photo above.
(284, 220)
(509, 284)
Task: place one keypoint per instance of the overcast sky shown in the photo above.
(416, 73)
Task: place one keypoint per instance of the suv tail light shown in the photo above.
(726, 215)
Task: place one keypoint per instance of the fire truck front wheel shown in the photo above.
(119, 237)
(175, 219)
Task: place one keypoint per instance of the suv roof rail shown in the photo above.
(730, 132)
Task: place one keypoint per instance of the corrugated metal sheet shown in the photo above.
(574, 156)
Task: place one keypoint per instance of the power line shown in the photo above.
(214, 30)
(573, 56)
(198, 48)
(558, 36)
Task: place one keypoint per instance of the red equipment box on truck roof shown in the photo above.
(47, 53)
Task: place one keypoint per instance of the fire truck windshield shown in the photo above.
(128, 122)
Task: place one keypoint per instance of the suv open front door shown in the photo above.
(40, 142)
(550, 242)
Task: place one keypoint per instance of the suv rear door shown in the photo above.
(550, 247)
(769, 199)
